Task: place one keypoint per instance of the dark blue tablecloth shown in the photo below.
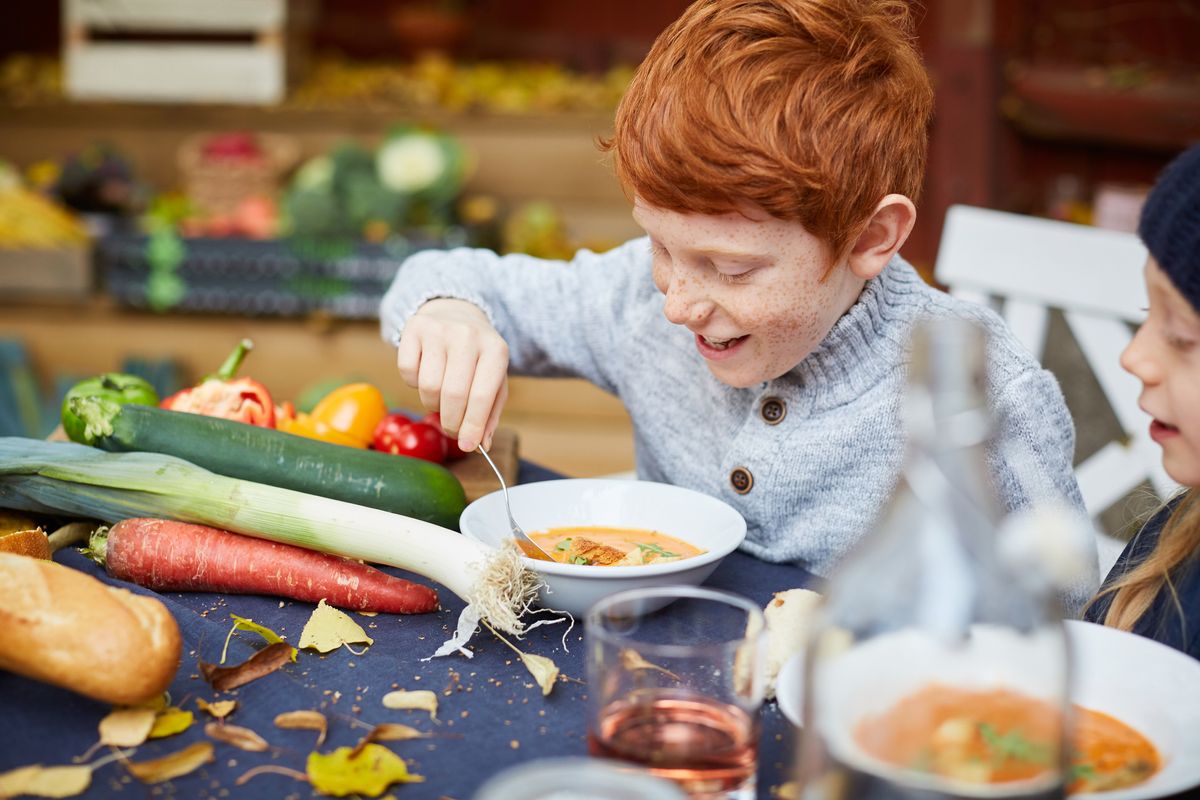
(491, 713)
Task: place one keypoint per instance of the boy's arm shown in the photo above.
(1032, 459)
(557, 317)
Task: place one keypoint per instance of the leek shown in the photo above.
(67, 478)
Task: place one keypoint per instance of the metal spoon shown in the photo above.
(527, 545)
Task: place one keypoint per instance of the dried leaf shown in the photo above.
(787, 791)
(236, 735)
(632, 660)
(394, 732)
(156, 703)
(246, 624)
(544, 671)
(423, 700)
(270, 769)
(305, 720)
(264, 662)
(219, 709)
(39, 781)
(170, 721)
(174, 765)
(370, 772)
(328, 629)
(127, 727)
(387, 732)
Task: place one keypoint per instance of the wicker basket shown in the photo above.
(218, 186)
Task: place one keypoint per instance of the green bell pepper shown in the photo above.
(111, 387)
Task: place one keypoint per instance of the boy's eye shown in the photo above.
(735, 277)
(658, 251)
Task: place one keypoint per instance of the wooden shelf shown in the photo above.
(1153, 111)
(567, 425)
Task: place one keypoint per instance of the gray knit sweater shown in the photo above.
(819, 476)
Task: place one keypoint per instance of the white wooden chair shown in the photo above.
(1025, 266)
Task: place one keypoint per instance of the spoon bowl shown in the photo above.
(528, 546)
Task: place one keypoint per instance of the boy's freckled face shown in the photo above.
(1165, 357)
(749, 288)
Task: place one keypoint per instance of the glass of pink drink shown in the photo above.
(676, 680)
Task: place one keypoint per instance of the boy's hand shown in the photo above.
(459, 365)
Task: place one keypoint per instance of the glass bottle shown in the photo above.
(934, 669)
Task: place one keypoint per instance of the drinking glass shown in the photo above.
(675, 677)
(577, 778)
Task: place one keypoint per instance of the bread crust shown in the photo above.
(64, 627)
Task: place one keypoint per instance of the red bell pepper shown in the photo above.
(225, 395)
(398, 435)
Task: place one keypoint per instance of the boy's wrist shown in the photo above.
(451, 306)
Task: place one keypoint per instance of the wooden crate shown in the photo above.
(198, 51)
(54, 275)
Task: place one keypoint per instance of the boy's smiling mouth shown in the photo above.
(717, 349)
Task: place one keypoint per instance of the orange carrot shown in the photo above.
(165, 555)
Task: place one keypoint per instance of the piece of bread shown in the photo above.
(788, 617)
(69, 629)
(593, 552)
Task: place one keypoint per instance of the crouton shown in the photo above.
(593, 552)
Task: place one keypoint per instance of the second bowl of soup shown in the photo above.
(608, 535)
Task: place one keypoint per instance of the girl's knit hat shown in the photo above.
(1170, 224)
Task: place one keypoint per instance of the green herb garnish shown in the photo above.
(563, 545)
(1014, 745)
(657, 550)
(1081, 770)
(580, 560)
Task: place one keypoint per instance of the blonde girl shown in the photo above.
(1154, 588)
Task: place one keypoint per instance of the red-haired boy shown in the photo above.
(757, 335)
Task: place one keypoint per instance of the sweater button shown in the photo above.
(773, 410)
(741, 480)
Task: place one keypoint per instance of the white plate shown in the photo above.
(1147, 685)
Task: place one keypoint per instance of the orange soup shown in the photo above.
(612, 547)
(997, 736)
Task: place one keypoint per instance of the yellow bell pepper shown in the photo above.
(305, 425)
(352, 410)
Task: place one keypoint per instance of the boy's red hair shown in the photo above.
(812, 110)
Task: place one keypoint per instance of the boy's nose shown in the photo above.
(686, 302)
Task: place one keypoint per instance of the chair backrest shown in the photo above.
(1024, 266)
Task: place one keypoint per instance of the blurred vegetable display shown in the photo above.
(410, 181)
(30, 220)
(98, 179)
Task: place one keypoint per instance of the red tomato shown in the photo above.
(453, 452)
(399, 435)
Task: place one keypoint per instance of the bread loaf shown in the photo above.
(788, 617)
(69, 629)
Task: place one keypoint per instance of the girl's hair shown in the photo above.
(812, 110)
(1133, 593)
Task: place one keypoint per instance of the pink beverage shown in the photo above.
(707, 747)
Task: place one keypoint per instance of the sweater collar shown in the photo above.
(865, 344)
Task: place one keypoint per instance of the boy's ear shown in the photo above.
(889, 227)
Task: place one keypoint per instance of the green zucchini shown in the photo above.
(399, 484)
